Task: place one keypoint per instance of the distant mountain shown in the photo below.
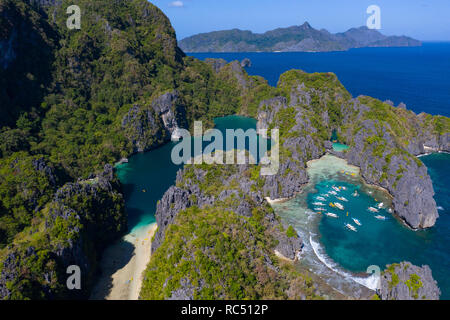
(295, 38)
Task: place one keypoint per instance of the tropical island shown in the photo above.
(121, 85)
(303, 38)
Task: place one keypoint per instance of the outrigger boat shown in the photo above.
(318, 204)
(333, 192)
(342, 199)
(372, 209)
(339, 206)
(319, 209)
(320, 198)
(335, 188)
(350, 227)
(380, 217)
(332, 215)
(356, 221)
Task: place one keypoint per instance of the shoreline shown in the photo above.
(123, 264)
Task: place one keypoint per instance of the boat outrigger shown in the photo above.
(332, 215)
(350, 227)
(339, 206)
(372, 209)
(357, 221)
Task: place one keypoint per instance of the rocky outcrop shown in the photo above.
(405, 281)
(151, 126)
(246, 63)
(82, 219)
(404, 176)
(216, 64)
(178, 198)
(291, 176)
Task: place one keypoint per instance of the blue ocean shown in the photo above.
(417, 76)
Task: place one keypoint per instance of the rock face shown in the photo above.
(405, 281)
(406, 179)
(239, 195)
(149, 127)
(176, 199)
(92, 214)
(291, 176)
(246, 63)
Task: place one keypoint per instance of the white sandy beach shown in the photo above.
(122, 266)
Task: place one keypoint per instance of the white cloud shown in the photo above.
(177, 4)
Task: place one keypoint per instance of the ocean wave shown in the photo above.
(370, 282)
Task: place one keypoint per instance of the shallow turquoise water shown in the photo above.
(383, 242)
(339, 147)
(147, 176)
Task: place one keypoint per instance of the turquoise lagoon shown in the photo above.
(331, 250)
(376, 242)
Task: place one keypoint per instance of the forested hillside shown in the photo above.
(65, 95)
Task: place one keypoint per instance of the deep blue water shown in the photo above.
(417, 76)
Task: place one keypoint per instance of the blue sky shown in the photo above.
(422, 19)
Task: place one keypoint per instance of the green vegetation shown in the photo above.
(212, 250)
(290, 232)
(414, 284)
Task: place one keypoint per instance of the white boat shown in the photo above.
(390, 210)
(332, 215)
(318, 203)
(380, 217)
(350, 227)
(357, 221)
(342, 199)
(326, 195)
(355, 194)
(372, 209)
(319, 209)
(333, 192)
(339, 206)
(320, 198)
(343, 188)
(335, 188)
(380, 205)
